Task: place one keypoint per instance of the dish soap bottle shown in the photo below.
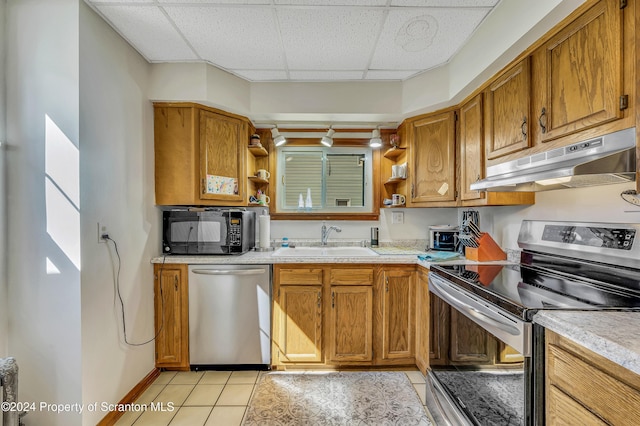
(308, 203)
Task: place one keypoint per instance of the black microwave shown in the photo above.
(209, 230)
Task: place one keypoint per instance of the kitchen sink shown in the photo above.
(324, 252)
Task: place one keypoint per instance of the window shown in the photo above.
(338, 179)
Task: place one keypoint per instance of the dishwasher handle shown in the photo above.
(255, 271)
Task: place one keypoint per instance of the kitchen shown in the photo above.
(63, 329)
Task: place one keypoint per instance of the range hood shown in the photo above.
(604, 160)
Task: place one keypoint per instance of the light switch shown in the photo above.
(397, 217)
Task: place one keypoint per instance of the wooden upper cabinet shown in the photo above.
(222, 156)
(471, 147)
(432, 155)
(200, 155)
(581, 73)
(507, 111)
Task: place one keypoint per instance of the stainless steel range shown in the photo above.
(564, 266)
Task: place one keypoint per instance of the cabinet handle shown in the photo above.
(387, 284)
(175, 282)
(478, 178)
(523, 128)
(411, 191)
(543, 125)
(319, 298)
(333, 299)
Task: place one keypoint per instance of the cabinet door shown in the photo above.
(507, 109)
(439, 326)
(298, 323)
(398, 315)
(351, 323)
(469, 343)
(176, 171)
(171, 299)
(422, 322)
(222, 156)
(433, 159)
(471, 147)
(582, 75)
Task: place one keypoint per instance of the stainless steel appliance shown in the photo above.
(603, 160)
(564, 266)
(210, 230)
(443, 237)
(229, 315)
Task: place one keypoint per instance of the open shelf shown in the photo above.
(257, 179)
(258, 151)
(393, 152)
(394, 181)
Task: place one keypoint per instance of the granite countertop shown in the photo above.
(253, 257)
(614, 335)
(387, 255)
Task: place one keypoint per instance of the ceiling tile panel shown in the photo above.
(424, 38)
(329, 38)
(332, 2)
(231, 37)
(445, 3)
(325, 75)
(121, 1)
(215, 2)
(149, 31)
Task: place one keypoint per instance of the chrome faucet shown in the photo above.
(326, 231)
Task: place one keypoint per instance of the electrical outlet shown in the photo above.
(397, 217)
(102, 230)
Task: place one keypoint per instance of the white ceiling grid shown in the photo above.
(299, 40)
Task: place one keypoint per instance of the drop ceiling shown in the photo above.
(300, 40)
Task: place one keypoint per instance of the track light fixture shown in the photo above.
(376, 141)
(278, 139)
(327, 140)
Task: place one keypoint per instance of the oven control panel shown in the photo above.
(592, 236)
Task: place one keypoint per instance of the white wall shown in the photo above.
(595, 204)
(3, 213)
(116, 189)
(43, 264)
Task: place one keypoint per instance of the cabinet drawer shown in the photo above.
(564, 410)
(302, 276)
(352, 276)
(603, 394)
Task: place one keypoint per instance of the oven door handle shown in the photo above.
(438, 287)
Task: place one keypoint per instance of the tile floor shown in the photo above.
(209, 398)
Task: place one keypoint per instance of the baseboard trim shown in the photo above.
(113, 416)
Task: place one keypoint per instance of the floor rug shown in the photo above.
(337, 398)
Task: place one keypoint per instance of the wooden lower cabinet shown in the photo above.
(350, 318)
(298, 323)
(585, 388)
(423, 320)
(328, 316)
(469, 343)
(171, 301)
(297, 315)
(397, 289)
(456, 340)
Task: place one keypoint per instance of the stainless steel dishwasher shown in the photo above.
(229, 315)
